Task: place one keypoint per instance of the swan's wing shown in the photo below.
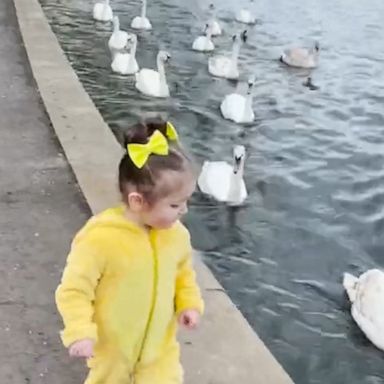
(233, 106)
(141, 23)
(123, 64)
(297, 57)
(97, 10)
(201, 39)
(373, 330)
(241, 14)
(298, 54)
(244, 15)
(135, 67)
(147, 81)
(244, 193)
(219, 65)
(102, 12)
(215, 178)
(118, 40)
(136, 23)
(198, 43)
(98, 7)
(367, 296)
(215, 27)
(202, 43)
(367, 310)
(370, 296)
(120, 62)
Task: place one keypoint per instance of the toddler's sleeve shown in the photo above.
(188, 295)
(76, 293)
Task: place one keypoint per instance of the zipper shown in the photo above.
(152, 309)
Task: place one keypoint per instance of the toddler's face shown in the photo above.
(167, 210)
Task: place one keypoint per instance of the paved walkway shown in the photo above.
(40, 209)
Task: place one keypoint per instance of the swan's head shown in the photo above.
(208, 30)
(211, 7)
(164, 56)
(309, 84)
(251, 83)
(242, 37)
(238, 157)
(131, 40)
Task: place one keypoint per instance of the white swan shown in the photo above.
(237, 107)
(301, 57)
(154, 83)
(204, 43)
(245, 16)
(142, 22)
(119, 38)
(366, 294)
(223, 66)
(223, 181)
(125, 62)
(216, 29)
(102, 11)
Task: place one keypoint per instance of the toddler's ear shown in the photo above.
(135, 202)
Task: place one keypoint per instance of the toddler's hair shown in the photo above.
(148, 180)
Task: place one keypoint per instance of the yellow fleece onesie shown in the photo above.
(124, 287)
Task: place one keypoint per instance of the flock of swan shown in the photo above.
(235, 106)
(223, 181)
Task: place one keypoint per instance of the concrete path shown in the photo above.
(42, 207)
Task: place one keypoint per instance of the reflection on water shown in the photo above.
(314, 169)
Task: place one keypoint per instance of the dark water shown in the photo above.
(314, 170)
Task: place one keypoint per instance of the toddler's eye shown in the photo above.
(174, 205)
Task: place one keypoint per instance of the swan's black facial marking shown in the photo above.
(244, 36)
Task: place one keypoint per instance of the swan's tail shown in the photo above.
(350, 285)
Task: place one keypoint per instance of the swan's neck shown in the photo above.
(315, 53)
(106, 3)
(133, 53)
(235, 184)
(209, 33)
(163, 79)
(116, 25)
(248, 102)
(144, 9)
(235, 53)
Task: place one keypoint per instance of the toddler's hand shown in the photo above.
(189, 319)
(82, 348)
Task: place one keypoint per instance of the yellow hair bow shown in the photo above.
(139, 153)
(171, 132)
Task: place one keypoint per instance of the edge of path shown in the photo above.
(225, 349)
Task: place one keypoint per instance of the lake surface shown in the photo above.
(314, 168)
